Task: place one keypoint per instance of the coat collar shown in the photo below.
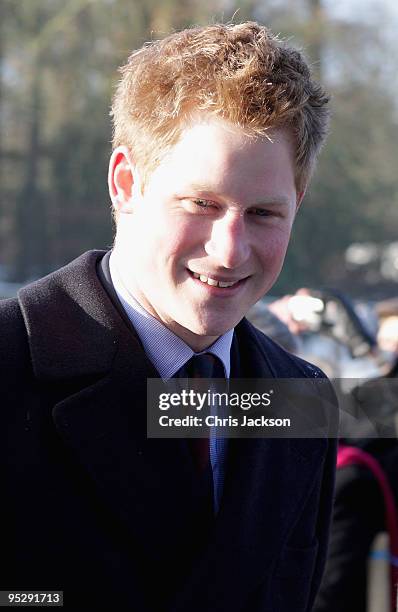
(73, 327)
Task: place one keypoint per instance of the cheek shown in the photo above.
(273, 247)
(152, 235)
(180, 240)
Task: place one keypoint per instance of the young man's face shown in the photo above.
(220, 206)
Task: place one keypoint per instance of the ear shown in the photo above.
(123, 180)
(300, 198)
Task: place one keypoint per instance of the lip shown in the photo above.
(219, 291)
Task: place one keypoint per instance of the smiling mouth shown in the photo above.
(207, 280)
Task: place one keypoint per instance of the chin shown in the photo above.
(211, 329)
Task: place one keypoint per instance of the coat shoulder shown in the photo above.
(14, 344)
(283, 363)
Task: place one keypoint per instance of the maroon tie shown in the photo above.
(201, 366)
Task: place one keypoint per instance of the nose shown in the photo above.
(228, 244)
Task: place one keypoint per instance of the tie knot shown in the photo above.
(205, 365)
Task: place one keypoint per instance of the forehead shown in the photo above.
(215, 154)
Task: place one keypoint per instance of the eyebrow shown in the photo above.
(275, 201)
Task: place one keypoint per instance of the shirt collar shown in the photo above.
(167, 351)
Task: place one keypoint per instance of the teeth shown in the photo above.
(211, 281)
(221, 284)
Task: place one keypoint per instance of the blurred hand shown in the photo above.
(297, 314)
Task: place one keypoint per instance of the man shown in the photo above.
(216, 132)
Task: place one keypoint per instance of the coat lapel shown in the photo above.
(147, 483)
(266, 486)
(82, 348)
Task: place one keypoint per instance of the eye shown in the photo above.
(200, 206)
(269, 213)
(260, 212)
(203, 203)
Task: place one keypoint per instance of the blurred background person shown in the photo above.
(347, 341)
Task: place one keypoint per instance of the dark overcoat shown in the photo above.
(91, 506)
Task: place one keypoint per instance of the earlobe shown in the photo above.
(121, 180)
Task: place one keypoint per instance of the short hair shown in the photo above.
(242, 73)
